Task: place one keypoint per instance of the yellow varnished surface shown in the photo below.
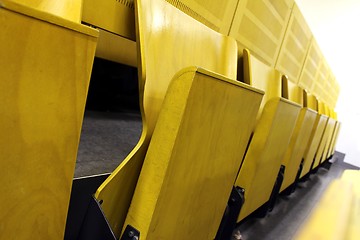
(68, 9)
(216, 14)
(334, 139)
(301, 134)
(297, 145)
(329, 130)
(311, 102)
(45, 71)
(330, 218)
(311, 65)
(260, 26)
(254, 73)
(269, 141)
(314, 142)
(113, 16)
(117, 49)
(294, 46)
(193, 158)
(321, 147)
(168, 40)
(47, 17)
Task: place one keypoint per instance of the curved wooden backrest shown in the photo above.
(294, 92)
(300, 135)
(193, 157)
(68, 9)
(261, 76)
(168, 40)
(311, 102)
(276, 121)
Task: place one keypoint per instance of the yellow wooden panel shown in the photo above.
(266, 150)
(292, 91)
(300, 136)
(294, 47)
(117, 49)
(116, 21)
(161, 27)
(193, 157)
(313, 143)
(319, 156)
(311, 102)
(334, 140)
(43, 92)
(332, 90)
(353, 230)
(297, 146)
(68, 9)
(332, 125)
(311, 65)
(114, 16)
(260, 27)
(321, 81)
(216, 14)
(269, 141)
(330, 218)
(255, 72)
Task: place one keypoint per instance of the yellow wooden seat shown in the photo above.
(45, 64)
(321, 153)
(336, 215)
(315, 137)
(331, 148)
(331, 129)
(169, 41)
(271, 136)
(335, 138)
(294, 157)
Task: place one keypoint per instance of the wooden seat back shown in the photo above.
(168, 40)
(276, 121)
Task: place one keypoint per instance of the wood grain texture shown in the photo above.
(269, 141)
(300, 136)
(260, 27)
(168, 40)
(314, 142)
(68, 9)
(297, 146)
(45, 72)
(194, 156)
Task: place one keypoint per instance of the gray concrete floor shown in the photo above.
(106, 139)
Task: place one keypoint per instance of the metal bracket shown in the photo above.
(130, 233)
(229, 219)
(276, 189)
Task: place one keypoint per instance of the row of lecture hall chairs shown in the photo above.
(223, 133)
